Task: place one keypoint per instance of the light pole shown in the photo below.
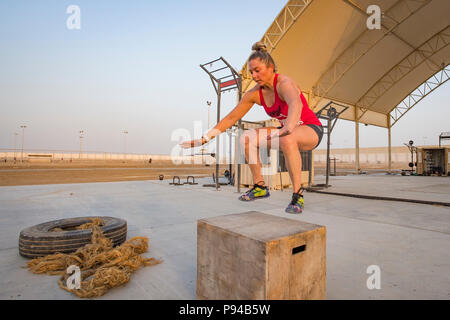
(81, 137)
(203, 149)
(15, 144)
(23, 135)
(209, 107)
(125, 145)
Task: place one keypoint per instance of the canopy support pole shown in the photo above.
(357, 168)
(389, 144)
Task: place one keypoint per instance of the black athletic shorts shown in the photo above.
(317, 129)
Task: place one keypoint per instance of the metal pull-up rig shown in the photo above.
(224, 78)
(331, 115)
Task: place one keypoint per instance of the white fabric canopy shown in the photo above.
(328, 49)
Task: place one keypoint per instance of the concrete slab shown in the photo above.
(425, 188)
(409, 242)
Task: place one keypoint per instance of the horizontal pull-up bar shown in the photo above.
(228, 83)
(253, 122)
(226, 67)
(211, 61)
(234, 88)
(228, 89)
(231, 75)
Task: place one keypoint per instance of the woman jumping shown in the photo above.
(282, 99)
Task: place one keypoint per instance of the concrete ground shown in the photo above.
(408, 242)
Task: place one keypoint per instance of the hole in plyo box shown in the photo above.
(299, 249)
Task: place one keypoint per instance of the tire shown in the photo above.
(40, 240)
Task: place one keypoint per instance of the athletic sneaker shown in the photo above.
(296, 205)
(257, 192)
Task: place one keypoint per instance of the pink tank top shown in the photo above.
(279, 109)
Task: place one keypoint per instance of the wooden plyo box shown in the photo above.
(253, 255)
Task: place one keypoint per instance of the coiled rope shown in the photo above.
(102, 266)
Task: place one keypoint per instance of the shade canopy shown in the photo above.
(327, 47)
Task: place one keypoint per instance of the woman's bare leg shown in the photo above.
(295, 171)
(303, 138)
(251, 143)
(254, 163)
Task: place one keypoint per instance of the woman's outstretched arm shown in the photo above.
(228, 121)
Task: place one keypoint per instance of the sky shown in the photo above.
(134, 66)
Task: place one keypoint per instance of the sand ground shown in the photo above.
(80, 172)
(62, 172)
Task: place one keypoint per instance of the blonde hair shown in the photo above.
(260, 52)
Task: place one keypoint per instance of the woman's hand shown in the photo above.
(192, 143)
(278, 133)
(284, 132)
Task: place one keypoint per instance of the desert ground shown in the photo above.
(16, 174)
(62, 172)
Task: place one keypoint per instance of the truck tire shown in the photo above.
(40, 240)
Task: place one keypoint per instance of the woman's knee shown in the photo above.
(287, 142)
